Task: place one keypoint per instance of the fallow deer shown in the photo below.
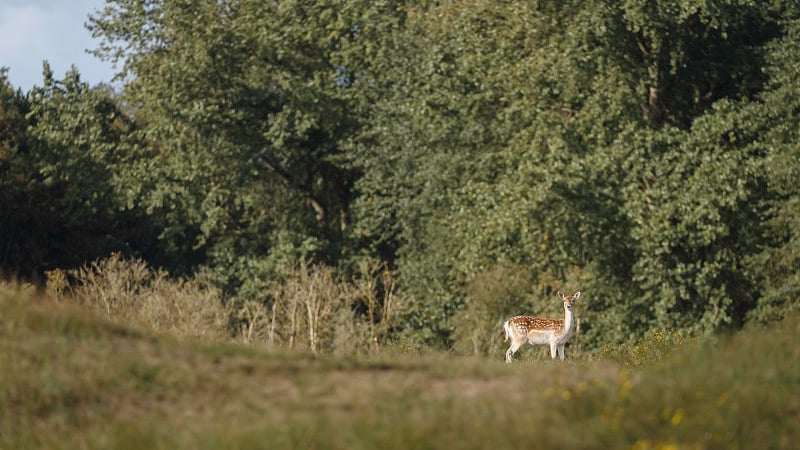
(540, 331)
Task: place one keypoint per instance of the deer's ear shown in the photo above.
(576, 296)
(561, 295)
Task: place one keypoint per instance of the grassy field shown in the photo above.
(71, 379)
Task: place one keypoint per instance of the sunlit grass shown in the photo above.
(655, 347)
(70, 378)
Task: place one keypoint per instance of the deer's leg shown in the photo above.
(553, 349)
(513, 349)
(561, 351)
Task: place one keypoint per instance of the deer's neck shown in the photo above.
(569, 320)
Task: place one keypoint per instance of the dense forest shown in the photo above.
(483, 154)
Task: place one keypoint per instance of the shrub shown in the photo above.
(654, 347)
(313, 307)
(127, 290)
(317, 309)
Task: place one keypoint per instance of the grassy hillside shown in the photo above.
(70, 379)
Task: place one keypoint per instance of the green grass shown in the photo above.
(70, 379)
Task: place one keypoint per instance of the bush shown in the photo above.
(317, 309)
(127, 290)
(311, 308)
(654, 347)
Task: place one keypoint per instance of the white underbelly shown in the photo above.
(540, 337)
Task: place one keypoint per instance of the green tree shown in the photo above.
(15, 171)
(75, 134)
(626, 149)
(59, 155)
(773, 124)
(241, 110)
(576, 139)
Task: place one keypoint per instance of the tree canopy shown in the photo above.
(643, 152)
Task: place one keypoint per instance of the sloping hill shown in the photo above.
(69, 379)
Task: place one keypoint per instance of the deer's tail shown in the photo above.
(506, 330)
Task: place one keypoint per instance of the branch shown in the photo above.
(294, 184)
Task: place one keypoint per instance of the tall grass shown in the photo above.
(73, 378)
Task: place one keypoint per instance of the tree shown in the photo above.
(571, 138)
(241, 114)
(612, 147)
(15, 168)
(772, 123)
(61, 147)
(75, 137)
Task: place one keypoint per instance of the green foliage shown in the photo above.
(240, 116)
(694, 216)
(643, 152)
(655, 347)
(75, 132)
(571, 135)
(490, 299)
(60, 167)
(15, 168)
(773, 119)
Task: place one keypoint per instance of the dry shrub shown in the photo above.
(15, 288)
(303, 305)
(312, 308)
(376, 299)
(127, 290)
(315, 308)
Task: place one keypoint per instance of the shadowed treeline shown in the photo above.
(461, 160)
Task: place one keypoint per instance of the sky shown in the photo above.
(32, 31)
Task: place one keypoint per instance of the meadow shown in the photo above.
(71, 378)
